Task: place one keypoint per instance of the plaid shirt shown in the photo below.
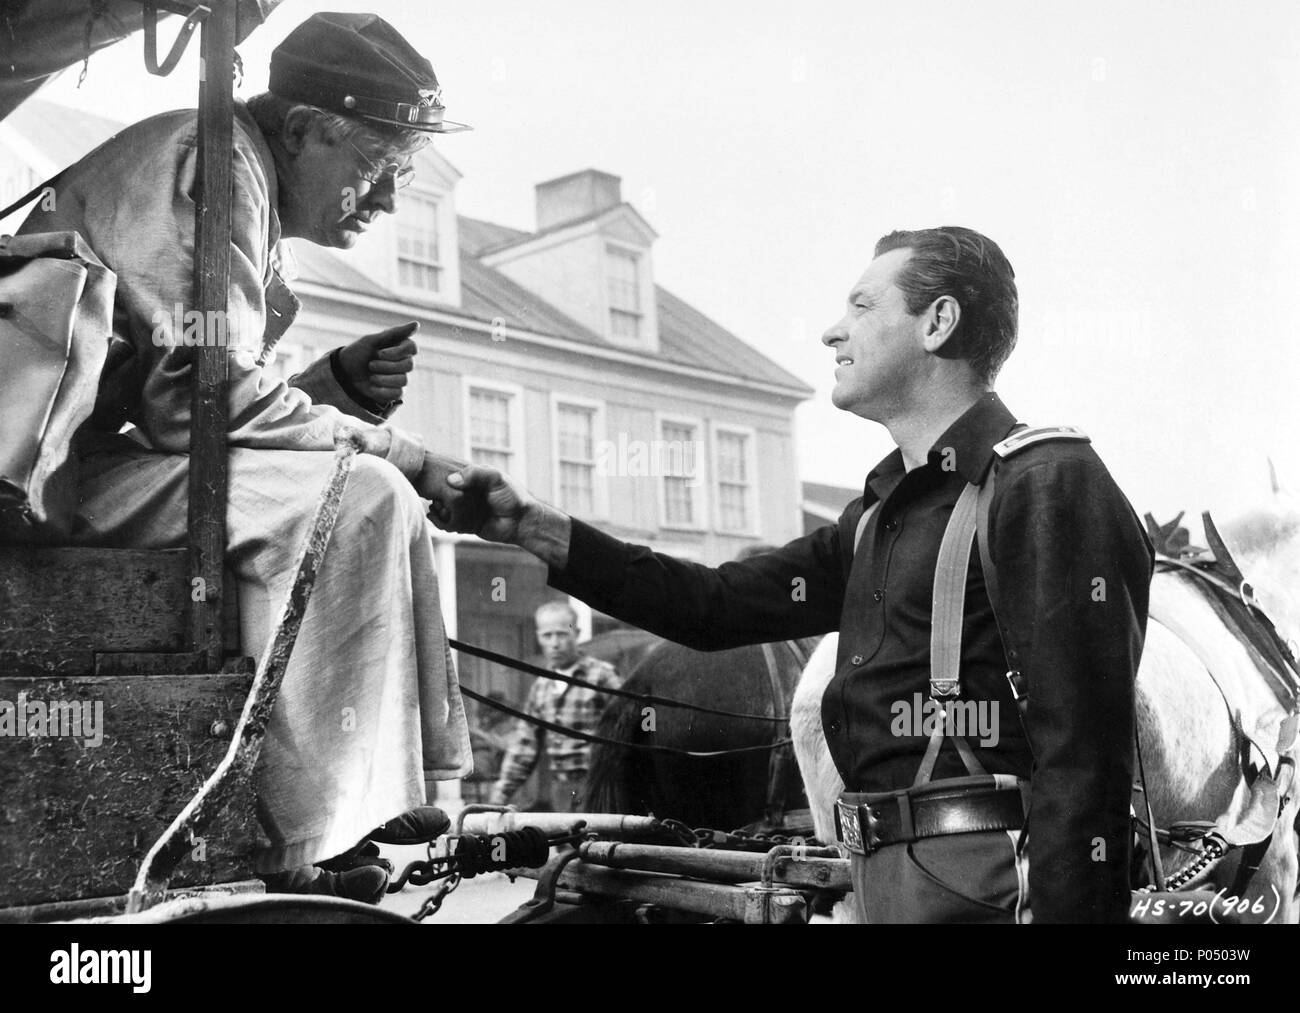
(573, 707)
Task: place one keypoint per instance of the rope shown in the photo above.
(542, 673)
(525, 848)
(246, 740)
(550, 726)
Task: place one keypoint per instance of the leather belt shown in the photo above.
(867, 822)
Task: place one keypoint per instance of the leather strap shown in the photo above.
(1153, 842)
(1019, 686)
(30, 195)
(37, 190)
(973, 766)
(1210, 663)
(869, 822)
(161, 68)
(932, 748)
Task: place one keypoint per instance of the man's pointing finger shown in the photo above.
(394, 335)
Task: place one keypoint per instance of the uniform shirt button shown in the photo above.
(857, 659)
(891, 524)
(878, 594)
(833, 728)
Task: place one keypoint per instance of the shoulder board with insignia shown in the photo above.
(1023, 438)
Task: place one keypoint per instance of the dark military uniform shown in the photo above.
(1074, 568)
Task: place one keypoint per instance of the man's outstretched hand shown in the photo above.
(376, 365)
(496, 510)
(451, 509)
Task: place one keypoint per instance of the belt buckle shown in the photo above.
(858, 837)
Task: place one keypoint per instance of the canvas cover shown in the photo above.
(39, 38)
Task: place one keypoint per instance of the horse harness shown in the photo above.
(1232, 598)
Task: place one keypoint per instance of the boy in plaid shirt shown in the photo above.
(560, 703)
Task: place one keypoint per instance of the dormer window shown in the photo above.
(419, 264)
(622, 269)
(590, 258)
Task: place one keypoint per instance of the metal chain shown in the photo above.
(704, 837)
(1213, 851)
(434, 901)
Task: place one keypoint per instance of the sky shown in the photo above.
(1138, 163)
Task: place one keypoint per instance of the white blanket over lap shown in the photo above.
(370, 704)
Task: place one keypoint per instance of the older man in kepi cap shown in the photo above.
(370, 706)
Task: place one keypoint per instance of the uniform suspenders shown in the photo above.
(949, 599)
(969, 519)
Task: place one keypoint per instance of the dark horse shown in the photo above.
(724, 793)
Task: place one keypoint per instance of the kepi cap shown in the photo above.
(358, 65)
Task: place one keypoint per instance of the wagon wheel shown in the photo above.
(267, 909)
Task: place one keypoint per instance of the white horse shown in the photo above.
(1189, 741)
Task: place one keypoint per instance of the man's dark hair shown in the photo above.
(971, 268)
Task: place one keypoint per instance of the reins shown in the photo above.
(647, 698)
(551, 726)
(650, 698)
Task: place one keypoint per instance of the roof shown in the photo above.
(590, 171)
(489, 294)
(518, 237)
(315, 264)
(687, 336)
(61, 133)
(476, 237)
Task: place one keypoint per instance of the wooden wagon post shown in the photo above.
(209, 467)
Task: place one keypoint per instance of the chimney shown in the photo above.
(577, 195)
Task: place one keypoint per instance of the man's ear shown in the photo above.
(939, 322)
(298, 125)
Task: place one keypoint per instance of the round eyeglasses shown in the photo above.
(379, 171)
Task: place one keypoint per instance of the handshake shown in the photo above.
(471, 499)
(476, 500)
(456, 507)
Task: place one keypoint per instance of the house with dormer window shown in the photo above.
(552, 353)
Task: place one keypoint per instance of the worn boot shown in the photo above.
(365, 853)
(415, 826)
(365, 883)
